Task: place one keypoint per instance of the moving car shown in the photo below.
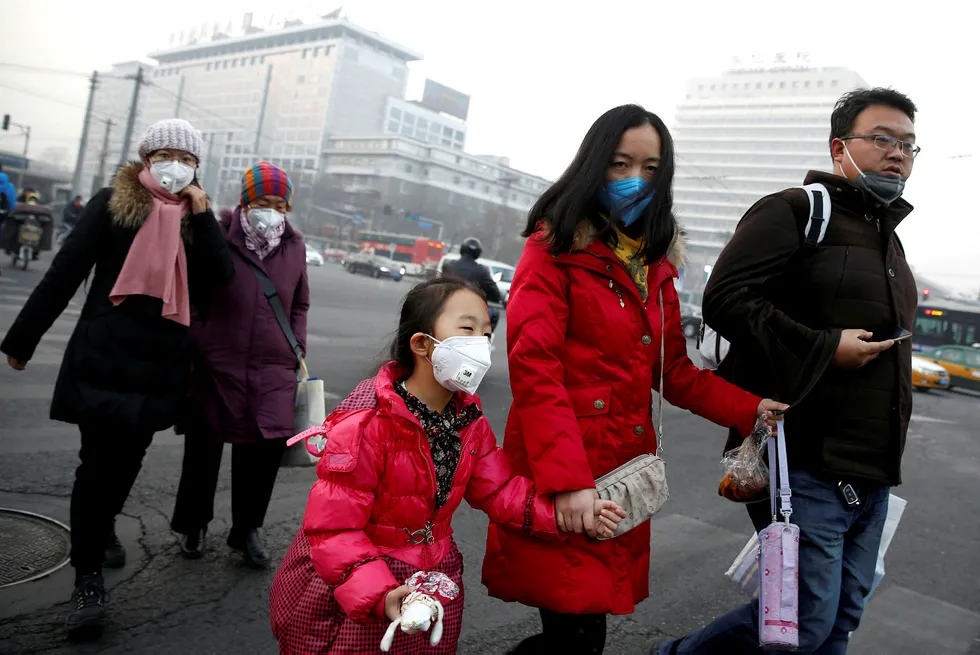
(928, 374)
(313, 258)
(962, 363)
(376, 266)
(690, 320)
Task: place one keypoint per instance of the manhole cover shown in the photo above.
(33, 546)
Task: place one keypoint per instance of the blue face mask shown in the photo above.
(617, 196)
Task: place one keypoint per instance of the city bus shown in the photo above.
(942, 322)
(415, 252)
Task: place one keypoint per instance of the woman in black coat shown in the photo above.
(155, 247)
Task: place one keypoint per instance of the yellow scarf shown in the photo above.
(629, 252)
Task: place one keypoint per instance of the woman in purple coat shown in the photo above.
(244, 380)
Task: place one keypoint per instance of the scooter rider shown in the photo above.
(477, 274)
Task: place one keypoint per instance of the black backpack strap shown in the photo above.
(272, 295)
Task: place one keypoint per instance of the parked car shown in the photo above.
(690, 320)
(927, 374)
(313, 258)
(961, 362)
(375, 266)
(334, 255)
(503, 274)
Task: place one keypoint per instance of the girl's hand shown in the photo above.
(393, 603)
(766, 409)
(198, 198)
(607, 516)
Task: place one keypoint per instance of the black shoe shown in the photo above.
(251, 546)
(192, 545)
(115, 554)
(87, 618)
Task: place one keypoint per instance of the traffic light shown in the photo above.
(925, 294)
(6, 122)
(387, 210)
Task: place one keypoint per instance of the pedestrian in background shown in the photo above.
(156, 248)
(243, 384)
(585, 347)
(399, 455)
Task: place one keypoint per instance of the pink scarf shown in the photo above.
(156, 264)
(257, 242)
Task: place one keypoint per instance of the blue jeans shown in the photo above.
(838, 552)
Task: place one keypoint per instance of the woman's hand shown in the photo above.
(575, 511)
(198, 198)
(608, 514)
(393, 603)
(766, 409)
(16, 364)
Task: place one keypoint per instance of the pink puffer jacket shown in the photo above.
(376, 492)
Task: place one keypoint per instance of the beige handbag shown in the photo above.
(640, 485)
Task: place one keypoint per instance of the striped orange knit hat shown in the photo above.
(264, 179)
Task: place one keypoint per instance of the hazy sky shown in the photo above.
(541, 71)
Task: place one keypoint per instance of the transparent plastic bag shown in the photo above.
(746, 478)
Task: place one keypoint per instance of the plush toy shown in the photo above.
(422, 609)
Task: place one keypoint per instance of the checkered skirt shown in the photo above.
(307, 619)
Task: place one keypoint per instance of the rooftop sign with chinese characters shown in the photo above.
(766, 62)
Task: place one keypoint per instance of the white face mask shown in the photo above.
(172, 175)
(460, 363)
(265, 220)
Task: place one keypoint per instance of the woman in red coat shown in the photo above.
(584, 341)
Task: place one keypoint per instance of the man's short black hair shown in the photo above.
(851, 104)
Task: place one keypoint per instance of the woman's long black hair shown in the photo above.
(573, 198)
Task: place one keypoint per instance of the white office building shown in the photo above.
(740, 136)
(412, 120)
(277, 95)
(383, 178)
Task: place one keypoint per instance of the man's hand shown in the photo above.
(197, 196)
(766, 409)
(393, 603)
(16, 364)
(854, 349)
(575, 511)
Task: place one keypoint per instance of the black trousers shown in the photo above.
(111, 457)
(569, 634)
(254, 467)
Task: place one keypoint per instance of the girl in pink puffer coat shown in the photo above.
(396, 459)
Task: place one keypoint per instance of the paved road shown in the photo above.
(929, 602)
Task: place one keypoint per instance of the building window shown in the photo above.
(301, 79)
(782, 85)
(833, 82)
(513, 196)
(456, 179)
(820, 84)
(234, 63)
(459, 135)
(807, 84)
(409, 168)
(486, 188)
(422, 124)
(207, 68)
(316, 52)
(447, 131)
(393, 127)
(396, 113)
(471, 184)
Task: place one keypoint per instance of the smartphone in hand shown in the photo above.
(896, 335)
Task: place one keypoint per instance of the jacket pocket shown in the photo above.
(591, 405)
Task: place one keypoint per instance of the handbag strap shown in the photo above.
(272, 295)
(777, 460)
(660, 395)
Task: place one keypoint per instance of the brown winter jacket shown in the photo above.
(783, 306)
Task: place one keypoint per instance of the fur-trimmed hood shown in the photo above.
(131, 202)
(585, 234)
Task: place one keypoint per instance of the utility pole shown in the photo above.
(76, 179)
(180, 97)
(131, 121)
(210, 170)
(100, 180)
(265, 99)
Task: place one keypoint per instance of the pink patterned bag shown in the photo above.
(779, 557)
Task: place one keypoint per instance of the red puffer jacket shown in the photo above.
(375, 497)
(584, 356)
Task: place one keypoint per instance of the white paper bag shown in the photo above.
(896, 507)
(310, 410)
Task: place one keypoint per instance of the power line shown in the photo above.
(53, 99)
(229, 121)
(52, 71)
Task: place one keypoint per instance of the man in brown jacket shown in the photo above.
(812, 324)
